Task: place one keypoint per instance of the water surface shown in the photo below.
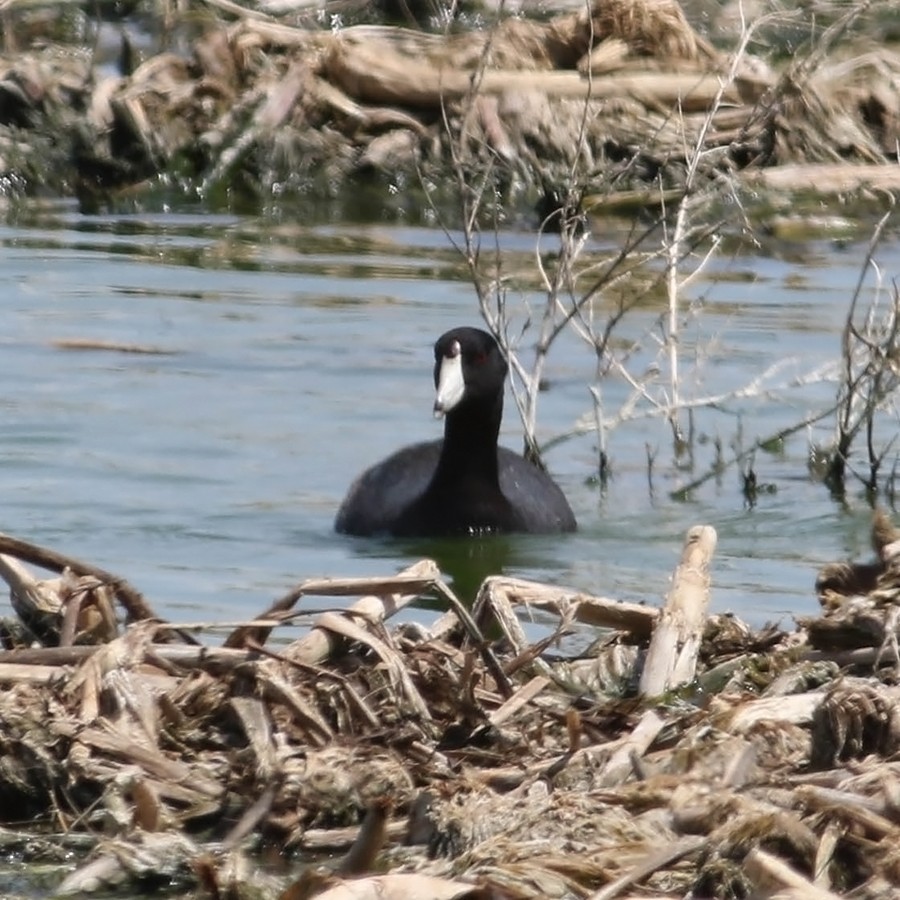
(292, 356)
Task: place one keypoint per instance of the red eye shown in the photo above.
(479, 358)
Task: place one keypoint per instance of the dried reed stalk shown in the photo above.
(672, 657)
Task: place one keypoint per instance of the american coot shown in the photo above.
(463, 484)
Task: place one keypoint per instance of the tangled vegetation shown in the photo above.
(222, 97)
(684, 755)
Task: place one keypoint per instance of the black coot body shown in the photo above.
(463, 484)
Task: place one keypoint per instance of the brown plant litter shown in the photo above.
(432, 761)
(264, 102)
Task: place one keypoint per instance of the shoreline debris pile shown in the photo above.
(621, 95)
(684, 754)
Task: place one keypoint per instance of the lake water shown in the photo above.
(295, 355)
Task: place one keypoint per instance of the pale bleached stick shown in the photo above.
(523, 695)
(599, 611)
(672, 657)
(316, 646)
(375, 73)
(773, 877)
(633, 745)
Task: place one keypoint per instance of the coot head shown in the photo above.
(469, 371)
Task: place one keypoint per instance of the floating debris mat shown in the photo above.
(681, 754)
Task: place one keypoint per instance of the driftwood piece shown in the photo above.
(320, 839)
(18, 673)
(316, 730)
(601, 612)
(165, 656)
(825, 178)
(366, 118)
(393, 595)
(476, 637)
(93, 344)
(742, 764)
(523, 695)
(117, 658)
(376, 73)
(672, 657)
(385, 597)
(361, 856)
(252, 816)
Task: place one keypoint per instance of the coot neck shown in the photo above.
(470, 441)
